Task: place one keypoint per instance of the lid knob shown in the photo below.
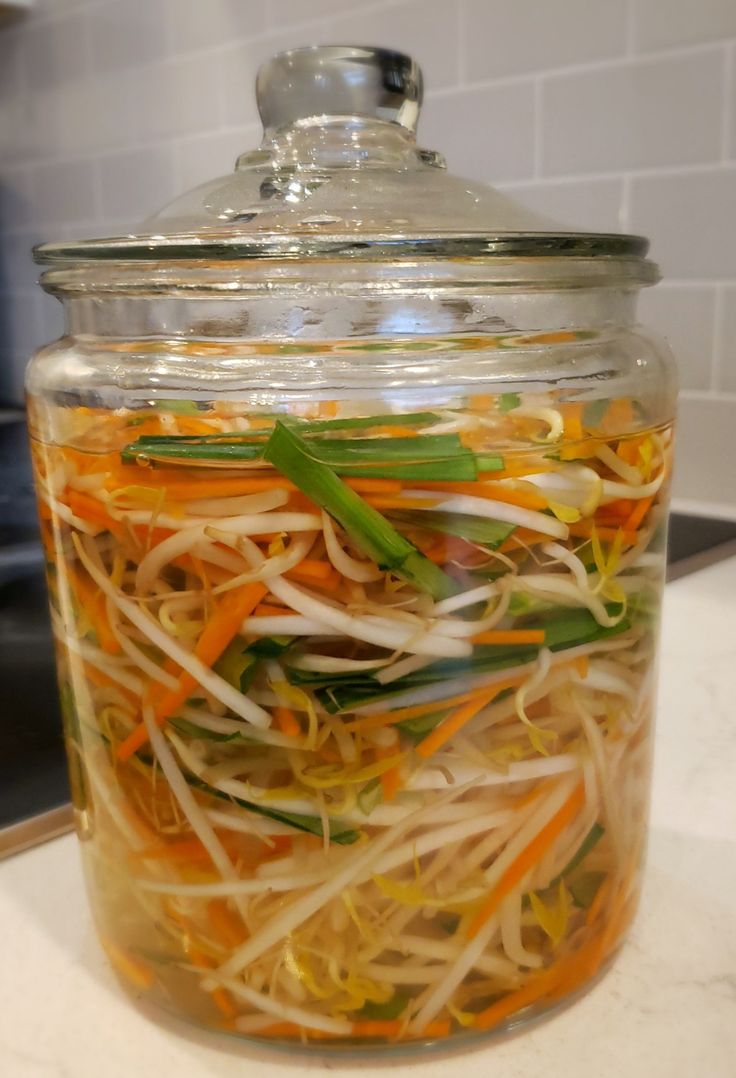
(339, 80)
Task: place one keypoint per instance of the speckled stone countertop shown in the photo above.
(667, 1008)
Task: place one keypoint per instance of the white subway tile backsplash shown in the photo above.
(632, 115)
(130, 102)
(199, 24)
(126, 34)
(179, 97)
(201, 158)
(593, 205)
(56, 52)
(690, 218)
(507, 37)
(18, 271)
(666, 23)
(427, 29)
(137, 183)
(684, 315)
(282, 12)
(704, 469)
(726, 337)
(63, 192)
(502, 146)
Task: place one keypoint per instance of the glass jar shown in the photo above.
(353, 487)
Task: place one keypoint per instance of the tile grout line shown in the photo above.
(624, 215)
(719, 312)
(630, 28)
(728, 100)
(538, 128)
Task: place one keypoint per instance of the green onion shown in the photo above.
(490, 533)
(310, 824)
(416, 419)
(387, 1011)
(369, 796)
(585, 888)
(565, 628)
(594, 836)
(593, 413)
(508, 401)
(201, 734)
(417, 729)
(367, 528)
(437, 457)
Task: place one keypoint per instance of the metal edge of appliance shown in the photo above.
(36, 829)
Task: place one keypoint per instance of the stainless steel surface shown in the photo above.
(35, 829)
(339, 80)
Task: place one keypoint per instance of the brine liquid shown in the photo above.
(358, 705)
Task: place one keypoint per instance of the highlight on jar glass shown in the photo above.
(357, 685)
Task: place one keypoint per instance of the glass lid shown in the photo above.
(339, 175)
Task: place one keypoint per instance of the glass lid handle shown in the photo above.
(322, 81)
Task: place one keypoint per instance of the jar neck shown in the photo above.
(307, 310)
(315, 143)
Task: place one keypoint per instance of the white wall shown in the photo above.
(608, 114)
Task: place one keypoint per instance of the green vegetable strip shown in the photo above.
(311, 824)
(567, 629)
(490, 533)
(387, 1011)
(593, 837)
(413, 419)
(367, 528)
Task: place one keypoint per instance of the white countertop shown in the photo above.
(667, 1009)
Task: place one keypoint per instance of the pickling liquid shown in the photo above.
(358, 705)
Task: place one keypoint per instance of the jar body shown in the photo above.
(356, 644)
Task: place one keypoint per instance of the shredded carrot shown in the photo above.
(450, 726)
(92, 601)
(128, 965)
(391, 1028)
(510, 636)
(529, 857)
(287, 721)
(391, 779)
(230, 929)
(318, 573)
(215, 637)
(527, 499)
(374, 486)
(264, 610)
(92, 510)
(638, 513)
(572, 415)
(380, 501)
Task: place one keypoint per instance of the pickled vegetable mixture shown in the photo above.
(358, 705)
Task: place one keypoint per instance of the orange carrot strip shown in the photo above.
(92, 601)
(92, 510)
(214, 638)
(312, 569)
(287, 721)
(638, 513)
(380, 501)
(510, 636)
(128, 965)
(184, 490)
(450, 726)
(263, 610)
(526, 499)
(572, 415)
(230, 930)
(526, 860)
(374, 486)
(391, 779)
